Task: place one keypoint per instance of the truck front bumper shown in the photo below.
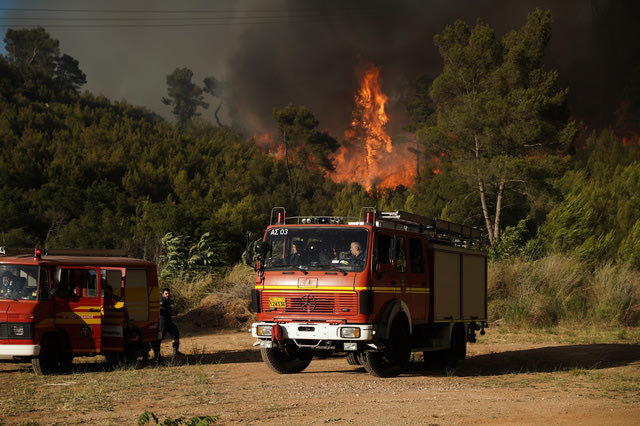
(316, 335)
(9, 351)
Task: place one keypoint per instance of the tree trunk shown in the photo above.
(215, 114)
(292, 185)
(499, 197)
(496, 225)
(483, 199)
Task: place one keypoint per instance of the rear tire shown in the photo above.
(286, 358)
(458, 350)
(394, 358)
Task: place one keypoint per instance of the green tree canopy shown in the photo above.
(68, 74)
(305, 146)
(32, 48)
(496, 108)
(184, 96)
(599, 216)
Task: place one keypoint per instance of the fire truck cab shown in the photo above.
(377, 289)
(60, 304)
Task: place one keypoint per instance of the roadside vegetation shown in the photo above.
(560, 290)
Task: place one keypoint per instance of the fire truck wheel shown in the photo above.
(354, 358)
(287, 360)
(394, 358)
(50, 358)
(458, 351)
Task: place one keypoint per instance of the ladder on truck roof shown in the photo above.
(438, 229)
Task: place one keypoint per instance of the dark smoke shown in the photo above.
(594, 47)
(310, 53)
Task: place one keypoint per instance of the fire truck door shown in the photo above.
(417, 289)
(387, 280)
(113, 318)
(78, 308)
(400, 271)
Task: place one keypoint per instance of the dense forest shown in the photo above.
(500, 152)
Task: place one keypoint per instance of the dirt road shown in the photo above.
(223, 375)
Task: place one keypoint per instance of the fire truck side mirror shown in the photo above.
(262, 248)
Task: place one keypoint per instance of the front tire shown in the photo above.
(394, 358)
(49, 361)
(286, 358)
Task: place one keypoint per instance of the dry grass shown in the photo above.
(216, 302)
(560, 289)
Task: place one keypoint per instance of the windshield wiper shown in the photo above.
(334, 268)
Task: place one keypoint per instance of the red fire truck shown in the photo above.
(376, 288)
(59, 304)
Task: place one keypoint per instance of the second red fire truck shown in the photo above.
(62, 304)
(376, 288)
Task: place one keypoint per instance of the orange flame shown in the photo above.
(268, 145)
(367, 156)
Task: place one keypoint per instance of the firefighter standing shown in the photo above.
(167, 310)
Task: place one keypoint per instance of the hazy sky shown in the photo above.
(270, 53)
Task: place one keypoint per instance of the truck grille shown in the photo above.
(315, 303)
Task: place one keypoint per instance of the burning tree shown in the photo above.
(498, 111)
(368, 156)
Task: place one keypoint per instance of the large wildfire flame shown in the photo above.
(368, 156)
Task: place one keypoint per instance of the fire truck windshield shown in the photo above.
(19, 282)
(316, 248)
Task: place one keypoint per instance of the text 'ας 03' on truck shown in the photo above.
(377, 289)
(57, 305)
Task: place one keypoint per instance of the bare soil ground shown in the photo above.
(501, 382)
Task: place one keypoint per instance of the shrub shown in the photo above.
(536, 293)
(210, 300)
(616, 290)
(561, 288)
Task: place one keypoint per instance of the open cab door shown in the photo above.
(113, 318)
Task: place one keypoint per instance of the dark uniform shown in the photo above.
(167, 310)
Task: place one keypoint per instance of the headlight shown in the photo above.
(350, 332)
(17, 330)
(264, 330)
(21, 331)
